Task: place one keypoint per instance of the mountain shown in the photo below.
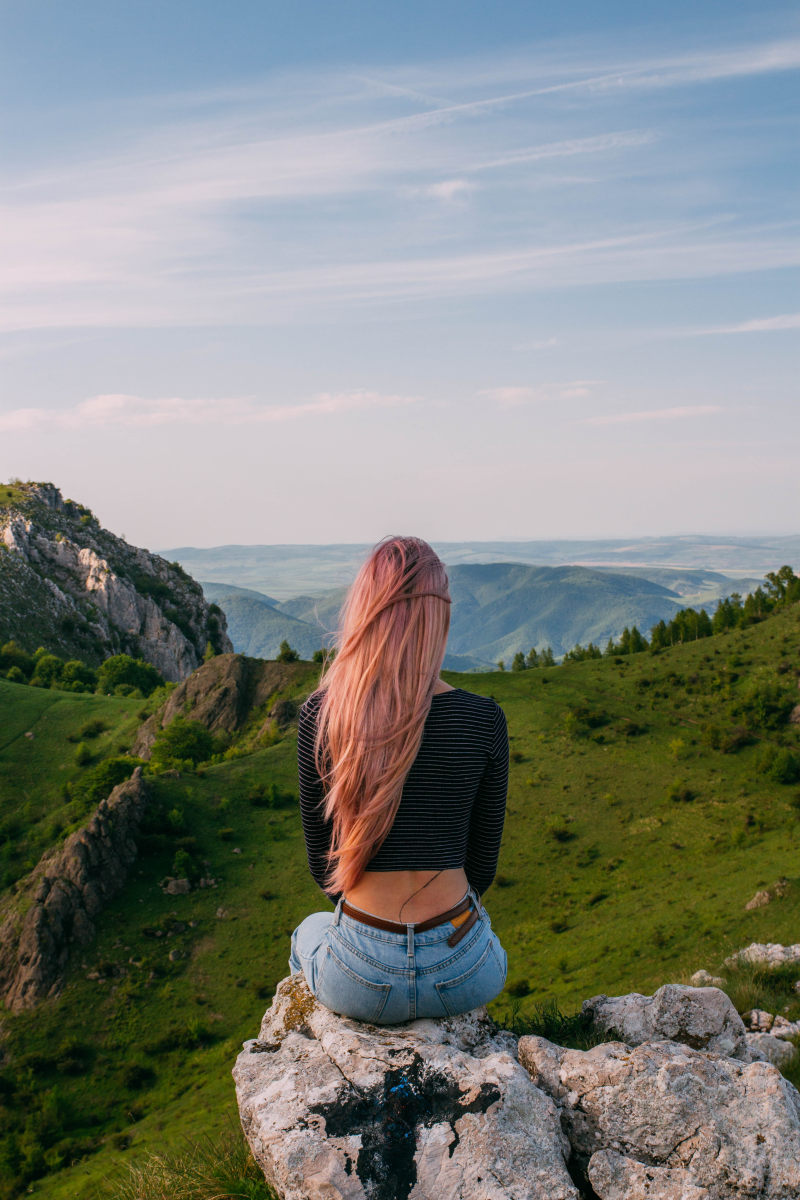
(82, 592)
(498, 609)
(293, 570)
(651, 796)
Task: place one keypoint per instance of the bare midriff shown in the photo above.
(382, 893)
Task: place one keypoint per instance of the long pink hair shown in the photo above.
(376, 694)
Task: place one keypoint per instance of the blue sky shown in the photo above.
(321, 272)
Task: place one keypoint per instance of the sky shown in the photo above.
(326, 271)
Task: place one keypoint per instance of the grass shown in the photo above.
(647, 886)
(219, 1168)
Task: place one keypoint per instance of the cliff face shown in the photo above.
(57, 905)
(77, 589)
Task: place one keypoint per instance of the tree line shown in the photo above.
(780, 589)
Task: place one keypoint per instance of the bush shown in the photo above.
(15, 675)
(123, 671)
(287, 654)
(679, 793)
(48, 669)
(785, 767)
(137, 1075)
(99, 782)
(83, 754)
(182, 741)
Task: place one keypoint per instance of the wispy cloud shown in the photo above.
(205, 219)
(655, 414)
(139, 411)
(515, 395)
(449, 189)
(757, 325)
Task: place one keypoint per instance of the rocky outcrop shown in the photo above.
(703, 1018)
(459, 1110)
(690, 1123)
(222, 694)
(57, 905)
(77, 589)
(337, 1109)
(767, 954)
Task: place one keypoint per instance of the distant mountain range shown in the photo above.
(498, 609)
(292, 570)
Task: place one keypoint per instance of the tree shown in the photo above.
(518, 663)
(546, 657)
(532, 660)
(182, 741)
(287, 654)
(123, 671)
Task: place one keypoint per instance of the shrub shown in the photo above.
(286, 653)
(182, 741)
(48, 669)
(14, 674)
(99, 782)
(92, 729)
(785, 767)
(560, 832)
(135, 1076)
(83, 754)
(679, 793)
(520, 987)
(123, 671)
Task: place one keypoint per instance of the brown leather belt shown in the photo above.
(462, 926)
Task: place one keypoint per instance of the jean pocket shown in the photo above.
(478, 985)
(344, 991)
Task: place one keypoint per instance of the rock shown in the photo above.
(615, 1177)
(771, 954)
(794, 715)
(758, 901)
(221, 694)
(430, 1110)
(58, 903)
(177, 887)
(766, 1047)
(703, 1018)
(702, 978)
(759, 1020)
(82, 592)
(728, 1128)
(781, 1028)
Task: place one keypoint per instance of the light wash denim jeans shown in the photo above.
(385, 978)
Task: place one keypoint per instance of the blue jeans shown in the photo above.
(385, 978)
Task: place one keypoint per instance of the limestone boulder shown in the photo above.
(662, 1120)
(430, 1110)
(766, 1047)
(703, 1018)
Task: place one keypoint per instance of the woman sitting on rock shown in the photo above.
(403, 785)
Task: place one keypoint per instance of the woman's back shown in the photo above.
(447, 829)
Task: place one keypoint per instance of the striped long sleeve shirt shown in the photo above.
(453, 801)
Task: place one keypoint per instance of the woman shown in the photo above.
(403, 785)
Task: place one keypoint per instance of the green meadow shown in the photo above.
(651, 796)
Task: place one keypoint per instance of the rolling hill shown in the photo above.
(651, 796)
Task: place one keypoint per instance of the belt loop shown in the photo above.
(338, 912)
(410, 943)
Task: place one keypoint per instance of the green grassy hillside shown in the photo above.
(650, 797)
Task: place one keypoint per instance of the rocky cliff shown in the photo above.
(224, 694)
(57, 905)
(80, 591)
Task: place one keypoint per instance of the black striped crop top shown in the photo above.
(453, 801)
